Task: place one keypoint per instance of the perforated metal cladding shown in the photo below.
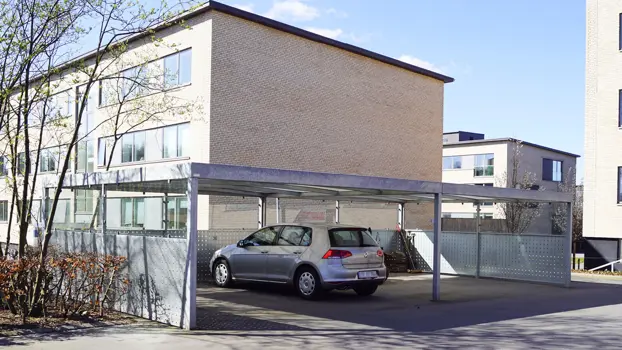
(524, 257)
(534, 258)
(209, 242)
(458, 252)
(156, 268)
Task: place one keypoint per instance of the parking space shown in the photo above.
(402, 304)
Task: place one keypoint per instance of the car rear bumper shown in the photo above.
(337, 276)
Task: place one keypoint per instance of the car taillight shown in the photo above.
(380, 253)
(336, 254)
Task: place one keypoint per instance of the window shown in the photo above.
(552, 170)
(620, 33)
(619, 184)
(263, 237)
(4, 166)
(49, 160)
(133, 147)
(21, 163)
(176, 213)
(484, 204)
(101, 151)
(177, 69)
(175, 141)
(350, 237)
(84, 201)
(452, 162)
(132, 212)
(4, 210)
(484, 165)
(295, 236)
(620, 108)
(85, 150)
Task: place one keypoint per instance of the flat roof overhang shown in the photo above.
(230, 180)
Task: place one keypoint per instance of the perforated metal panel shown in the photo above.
(210, 241)
(537, 258)
(458, 252)
(156, 268)
(534, 258)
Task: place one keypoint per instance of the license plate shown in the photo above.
(367, 274)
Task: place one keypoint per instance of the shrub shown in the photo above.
(72, 283)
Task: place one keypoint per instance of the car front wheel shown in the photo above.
(366, 289)
(222, 274)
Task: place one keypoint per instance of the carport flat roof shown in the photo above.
(229, 180)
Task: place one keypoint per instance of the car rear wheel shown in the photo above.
(222, 274)
(308, 285)
(366, 289)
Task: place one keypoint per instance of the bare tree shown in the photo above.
(37, 67)
(559, 213)
(518, 215)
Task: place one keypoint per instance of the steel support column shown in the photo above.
(478, 236)
(261, 213)
(102, 208)
(189, 316)
(400, 216)
(278, 211)
(568, 245)
(337, 212)
(436, 260)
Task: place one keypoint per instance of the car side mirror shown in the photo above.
(243, 243)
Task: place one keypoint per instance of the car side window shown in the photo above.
(264, 236)
(295, 236)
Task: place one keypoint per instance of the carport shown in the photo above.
(163, 263)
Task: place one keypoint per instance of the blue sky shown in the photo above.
(518, 65)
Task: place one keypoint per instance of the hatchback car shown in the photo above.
(314, 258)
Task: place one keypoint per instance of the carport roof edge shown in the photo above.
(267, 182)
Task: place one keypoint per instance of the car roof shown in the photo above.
(318, 225)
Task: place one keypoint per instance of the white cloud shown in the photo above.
(420, 63)
(333, 11)
(294, 10)
(329, 33)
(246, 7)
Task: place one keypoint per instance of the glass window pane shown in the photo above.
(81, 157)
(170, 213)
(182, 213)
(170, 142)
(126, 212)
(139, 212)
(264, 236)
(185, 66)
(171, 71)
(139, 146)
(127, 148)
(184, 140)
(101, 152)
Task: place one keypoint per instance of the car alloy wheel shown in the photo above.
(222, 274)
(306, 283)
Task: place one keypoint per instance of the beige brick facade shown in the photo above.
(282, 101)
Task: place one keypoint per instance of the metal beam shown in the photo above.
(478, 224)
(568, 245)
(261, 212)
(189, 314)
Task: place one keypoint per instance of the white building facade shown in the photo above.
(469, 158)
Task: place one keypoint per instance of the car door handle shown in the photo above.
(297, 253)
(264, 252)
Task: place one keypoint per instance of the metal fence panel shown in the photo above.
(534, 258)
(209, 241)
(156, 268)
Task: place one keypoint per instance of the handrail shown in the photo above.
(607, 264)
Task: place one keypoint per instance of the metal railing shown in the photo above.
(607, 264)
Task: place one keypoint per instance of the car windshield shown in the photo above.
(351, 237)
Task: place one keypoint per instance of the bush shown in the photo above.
(72, 283)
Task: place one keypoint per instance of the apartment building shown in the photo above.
(470, 158)
(602, 211)
(271, 95)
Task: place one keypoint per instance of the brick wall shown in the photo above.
(282, 101)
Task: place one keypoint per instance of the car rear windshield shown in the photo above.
(351, 237)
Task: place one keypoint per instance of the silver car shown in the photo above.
(314, 258)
